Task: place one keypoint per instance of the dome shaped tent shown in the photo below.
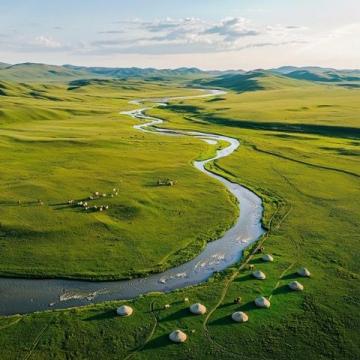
(296, 286)
(304, 272)
(124, 310)
(240, 316)
(178, 336)
(262, 302)
(267, 258)
(259, 275)
(198, 309)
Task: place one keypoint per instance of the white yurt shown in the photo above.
(304, 272)
(198, 309)
(262, 302)
(240, 316)
(296, 286)
(259, 275)
(124, 310)
(267, 258)
(178, 336)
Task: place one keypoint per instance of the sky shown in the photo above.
(208, 34)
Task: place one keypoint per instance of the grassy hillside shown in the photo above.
(309, 108)
(3, 65)
(89, 147)
(346, 78)
(309, 183)
(251, 81)
(39, 72)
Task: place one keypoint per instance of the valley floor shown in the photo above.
(309, 182)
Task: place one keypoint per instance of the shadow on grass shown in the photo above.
(284, 289)
(257, 261)
(73, 206)
(288, 136)
(60, 204)
(245, 278)
(328, 130)
(110, 314)
(249, 306)
(180, 314)
(291, 276)
(158, 342)
(226, 320)
(20, 205)
(10, 203)
(222, 306)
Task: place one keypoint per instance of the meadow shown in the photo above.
(61, 150)
(305, 166)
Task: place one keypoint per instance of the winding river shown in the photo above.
(19, 296)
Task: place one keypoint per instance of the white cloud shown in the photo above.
(189, 35)
(232, 29)
(46, 42)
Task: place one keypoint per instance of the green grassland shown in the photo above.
(308, 177)
(61, 150)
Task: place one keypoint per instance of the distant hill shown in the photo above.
(237, 80)
(3, 65)
(134, 71)
(42, 72)
(325, 76)
(39, 72)
(318, 74)
(251, 81)
(150, 74)
(288, 69)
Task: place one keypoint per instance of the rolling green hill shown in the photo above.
(3, 65)
(251, 81)
(136, 72)
(32, 72)
(39, 72)
(325, 76)
(347, 78)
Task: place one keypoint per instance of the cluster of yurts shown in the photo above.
(179, 336)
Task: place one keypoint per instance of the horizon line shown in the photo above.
(180, 67)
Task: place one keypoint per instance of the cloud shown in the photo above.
(22, 43)
(285, 30)
(189, 35)
(166, 36)
(232, 29)
(46, 42)
(112, 32)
